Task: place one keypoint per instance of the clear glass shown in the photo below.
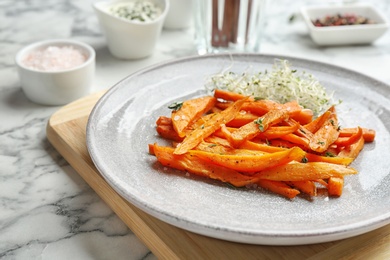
(228, 25)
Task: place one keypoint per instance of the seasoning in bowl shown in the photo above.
(136, 11)
(54, 58)
(344, 25)
(57, 71)
(131, 27)
(340, 20)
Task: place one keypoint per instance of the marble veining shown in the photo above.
(47, 211)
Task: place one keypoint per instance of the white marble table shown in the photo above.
(46, 210)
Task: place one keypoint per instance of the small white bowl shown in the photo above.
(128, 39)
(56, 87)
(345, 34)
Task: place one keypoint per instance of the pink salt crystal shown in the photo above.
(54, 58)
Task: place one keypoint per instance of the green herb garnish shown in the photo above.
(259, 122)
(175, 106)
(329, 154)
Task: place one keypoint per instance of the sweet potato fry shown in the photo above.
(212, 148)
(209, 127)
(216, 149)
(335, 186)
(346, 141)
(258, 108)
(200, 122)
(261, 107)
(279, 131)
(297, 140)
(279, 188)
(305, 171)
(229, 96)
(250, 163)
(241, 119)
(353, 150)
(307, 187)
(326, 134)
(186, 162)
(217, 140)
(336, 159)
(252, 129)
(316, 124)
(163, 120)
(261, 147)
(304, 116)
(279, 143)
(190, 111)
(167, 132)
(368, 134)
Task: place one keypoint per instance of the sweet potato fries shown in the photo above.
(247, 142)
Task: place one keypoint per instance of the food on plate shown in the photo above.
(246, 141)
(274, 151)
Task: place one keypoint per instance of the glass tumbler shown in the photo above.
(228, 25)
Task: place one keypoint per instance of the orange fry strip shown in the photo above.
(217, 140)
(349, 140)
(292, 138)
(190, 111)
(327, 134)
(304, 116)
(261, 107)
(316, 124)
(335, 186)
(251, 163)
(279, 188)
(209, 127)
(368, 134)
(220, 149)
(186, 162)
(305, 171)
(307, 187)
(252, 129)
(241, 119)
(260, 147)
(228, 95)
(163, 120)
(199, 122)
(353, 150)
(337, 160)
(279, 131)
(167, 131)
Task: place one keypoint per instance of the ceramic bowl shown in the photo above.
(56, 87)
(127, 39)
(346, 34)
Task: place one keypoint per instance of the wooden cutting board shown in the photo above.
(66, 130)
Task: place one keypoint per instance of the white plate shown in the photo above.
(122, 125)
